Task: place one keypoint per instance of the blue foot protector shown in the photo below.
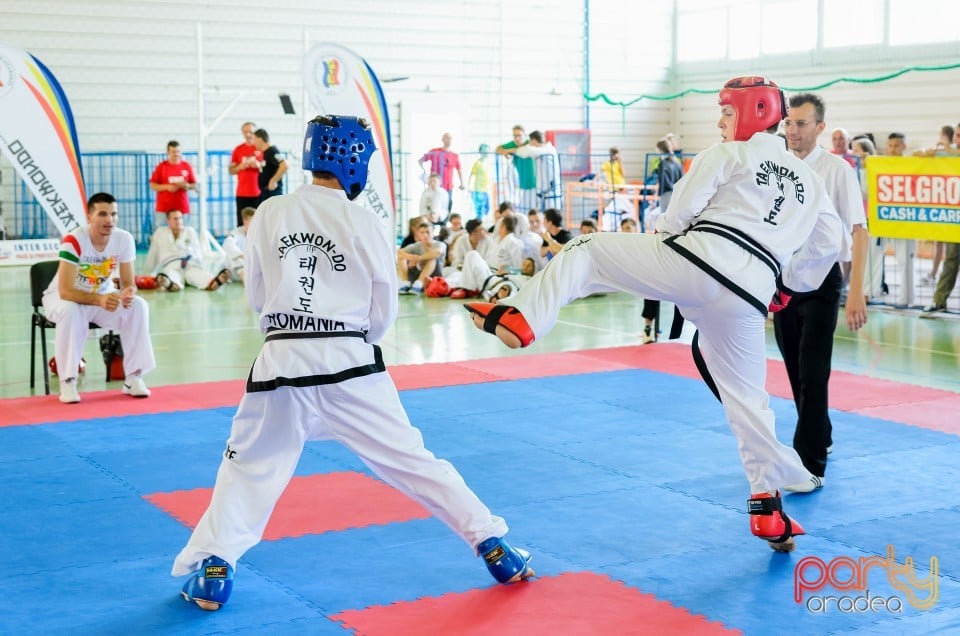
(210, 586)
(506, 564)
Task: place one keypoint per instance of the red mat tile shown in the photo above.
(310, 505)
(576, 603)
(545, 365)
(904, 403)
(437, 374)
(112, 403)
(938, 414)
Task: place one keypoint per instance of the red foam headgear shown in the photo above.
(758, 101)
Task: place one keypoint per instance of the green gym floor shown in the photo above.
(206, 336)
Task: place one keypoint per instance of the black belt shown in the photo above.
(741, 239)
(319, 379)
(276, 334)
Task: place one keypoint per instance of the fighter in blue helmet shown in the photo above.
(320, 271)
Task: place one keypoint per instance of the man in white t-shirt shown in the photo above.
(83, 291)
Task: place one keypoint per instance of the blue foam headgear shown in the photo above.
(342, 146)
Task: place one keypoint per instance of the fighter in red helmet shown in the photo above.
(748, 223)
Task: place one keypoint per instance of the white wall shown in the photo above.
(129, 67)
(916, 103)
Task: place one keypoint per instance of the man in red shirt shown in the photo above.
(443, 162)
(171, 180)
(246, 162)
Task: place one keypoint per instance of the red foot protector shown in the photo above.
(571, 603)
(310, 505)
(495, 315)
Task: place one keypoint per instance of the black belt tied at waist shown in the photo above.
(277, 334)
(735, 236)
(377, 366)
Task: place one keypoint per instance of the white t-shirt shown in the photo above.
(95, 269)
(844, 192)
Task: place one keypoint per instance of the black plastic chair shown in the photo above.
(41, 274)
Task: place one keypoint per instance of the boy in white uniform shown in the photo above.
(177, 257)
(749, 222)
(320, 272)
(91, 257)
(235, 243)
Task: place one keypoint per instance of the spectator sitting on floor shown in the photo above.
(236, 242)
(475, 238)
(503, 208)
(176, 256)
(507, 254)
(412, 226)
(588, 226)
(530, 240)
(455, 225)
(479, 279)
(554, 235)
(417, 262)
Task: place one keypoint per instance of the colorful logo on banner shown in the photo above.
(340, 82)
(914, 197)
(38, 136)
(331, 73)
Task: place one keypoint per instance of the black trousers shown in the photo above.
(804, 332)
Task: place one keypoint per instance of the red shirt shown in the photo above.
(167, 172)
(442, 162)
(246, 178)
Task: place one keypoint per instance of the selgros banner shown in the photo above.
(340, 82)
(914, 197)
(38, 136)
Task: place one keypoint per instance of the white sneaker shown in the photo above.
(68, 391)
(135, 387)
(931, 310)
(417, 287)
(814, 483)
(648, 335)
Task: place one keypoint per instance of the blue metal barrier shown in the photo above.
(126, 175)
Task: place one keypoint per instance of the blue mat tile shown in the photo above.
(629, 473)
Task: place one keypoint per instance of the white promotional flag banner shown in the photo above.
(340, 82)
(38, 136)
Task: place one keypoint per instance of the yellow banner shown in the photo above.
(914, 197)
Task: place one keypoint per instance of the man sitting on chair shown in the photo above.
(83, 291)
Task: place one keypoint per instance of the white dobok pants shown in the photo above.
(73, 324)
(365, 415)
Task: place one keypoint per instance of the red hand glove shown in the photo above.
(780, 300)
